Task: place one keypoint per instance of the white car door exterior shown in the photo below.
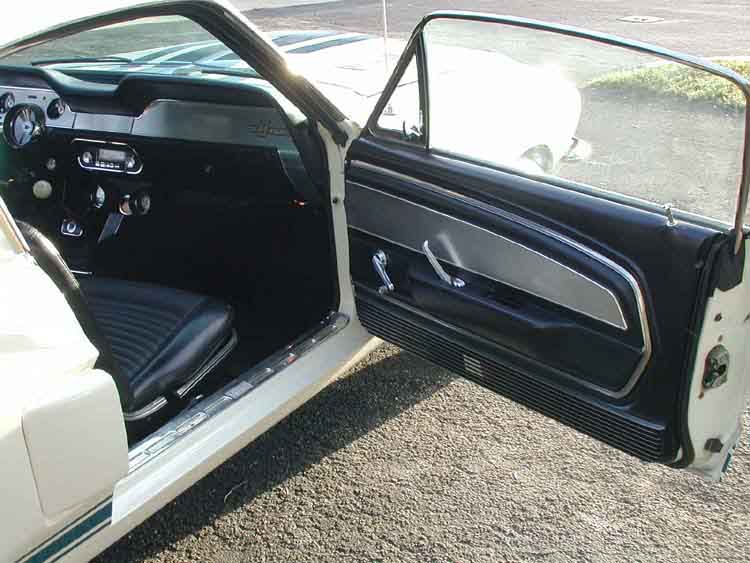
(62, 435)
(570, 286)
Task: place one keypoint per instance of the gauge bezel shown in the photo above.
(63, 107)
(12, 115)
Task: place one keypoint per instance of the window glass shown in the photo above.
(402, 114)
(596, 114)
(158, 45)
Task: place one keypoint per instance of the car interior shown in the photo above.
(182, 219)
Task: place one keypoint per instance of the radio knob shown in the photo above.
(130, 163)
(87, 158)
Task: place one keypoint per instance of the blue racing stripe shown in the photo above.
(284, 39)
(327, 44)
(85, 528)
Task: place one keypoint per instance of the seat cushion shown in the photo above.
(160, 337)
(48, 258)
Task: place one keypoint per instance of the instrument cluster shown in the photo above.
(25, 114)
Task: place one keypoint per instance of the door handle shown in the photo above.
(441, 273)
(379, 262)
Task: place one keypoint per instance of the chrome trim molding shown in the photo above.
(212, 362)
(160, 402)
(90, 168)
(148, 410)
(647, 349)
(41, 97)
(172, 432)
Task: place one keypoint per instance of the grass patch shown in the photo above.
(681, 81)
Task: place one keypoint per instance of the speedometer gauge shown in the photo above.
(23, 124)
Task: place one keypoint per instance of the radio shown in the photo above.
(107, 157)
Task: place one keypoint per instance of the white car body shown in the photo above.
(59, 505)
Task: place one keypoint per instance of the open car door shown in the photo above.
(62, 436)
(557, 215)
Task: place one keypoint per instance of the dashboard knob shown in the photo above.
(87, 158)
(98, 197)
(140, 203)
(137, 204)
(130, 163)
(42, 189)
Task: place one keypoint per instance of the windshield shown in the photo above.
(349, 67)
(160, 45)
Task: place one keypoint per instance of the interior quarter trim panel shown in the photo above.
(365, 216)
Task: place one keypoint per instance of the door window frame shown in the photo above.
(414, 51)
(415, 48)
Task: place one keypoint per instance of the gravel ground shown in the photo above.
(400, 461)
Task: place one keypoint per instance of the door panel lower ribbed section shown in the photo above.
(438, 343)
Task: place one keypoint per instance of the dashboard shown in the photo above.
(77, 157)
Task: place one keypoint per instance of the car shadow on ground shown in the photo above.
(349, 408)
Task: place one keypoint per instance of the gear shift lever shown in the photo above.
(111, 226)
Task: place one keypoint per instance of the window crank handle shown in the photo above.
(379, 262)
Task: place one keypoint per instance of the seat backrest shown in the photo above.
(49, 259)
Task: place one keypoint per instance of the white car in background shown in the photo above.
(536, 109)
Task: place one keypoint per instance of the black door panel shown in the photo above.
(561, 338)
(616, 383)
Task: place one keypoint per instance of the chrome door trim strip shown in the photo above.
(647, 349)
